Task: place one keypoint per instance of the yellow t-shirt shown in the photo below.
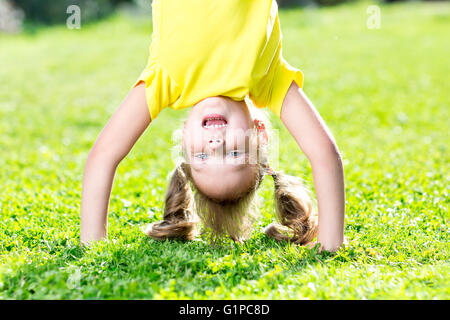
(201, 49)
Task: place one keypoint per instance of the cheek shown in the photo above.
(240, 120)
(190, 132)
(192, 140)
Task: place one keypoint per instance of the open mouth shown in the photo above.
(214, 121)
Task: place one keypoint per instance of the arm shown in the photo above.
(112, 145)
(313, 137)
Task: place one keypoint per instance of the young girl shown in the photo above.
(213, 56)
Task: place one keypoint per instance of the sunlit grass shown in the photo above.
(383, 93)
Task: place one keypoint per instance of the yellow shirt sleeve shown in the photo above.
(284, 75)
(270, 89)
(160, 89)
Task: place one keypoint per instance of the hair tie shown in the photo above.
(271, 172)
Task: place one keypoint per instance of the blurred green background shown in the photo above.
(383, 92)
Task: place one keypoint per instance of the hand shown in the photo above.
(313, 244)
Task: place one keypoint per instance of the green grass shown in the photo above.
(383, 93)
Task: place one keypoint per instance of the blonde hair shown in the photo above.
(185, 208)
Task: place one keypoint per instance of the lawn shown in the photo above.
(383, 93)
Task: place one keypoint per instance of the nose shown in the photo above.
(215, 142)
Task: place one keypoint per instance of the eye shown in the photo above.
(201, 156)
(234, 153)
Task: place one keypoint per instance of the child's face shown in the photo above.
(217, 139)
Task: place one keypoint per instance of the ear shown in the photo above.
(261, 130)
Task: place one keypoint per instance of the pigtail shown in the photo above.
(294, 208)
(179, 220)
